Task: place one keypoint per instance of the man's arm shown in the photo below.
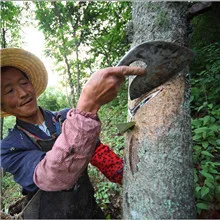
(109, 163)
(71, 153)
(74, 148)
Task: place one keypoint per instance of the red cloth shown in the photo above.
(109, 163)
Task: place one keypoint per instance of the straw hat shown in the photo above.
(29, 64)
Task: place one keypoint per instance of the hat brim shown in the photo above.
(28, 63)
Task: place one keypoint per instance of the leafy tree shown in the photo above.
(54, 26)
(10, 24)
(70, 28)
(63, 29)
(108, 40)
(53, 100)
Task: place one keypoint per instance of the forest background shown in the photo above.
(82, 37)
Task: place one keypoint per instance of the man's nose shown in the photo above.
(22, 92)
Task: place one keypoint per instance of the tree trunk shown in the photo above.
(2, 127)
(78, 71)
(3, 44)
(158, 174)
(72, 92)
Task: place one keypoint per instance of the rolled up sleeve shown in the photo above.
(71, 153)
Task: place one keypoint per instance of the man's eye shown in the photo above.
(9, 91)
(24, 83)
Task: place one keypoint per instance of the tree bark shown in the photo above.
(158, 174)
(2, 127)
(78, 71)
(72, 91)
(3, 44)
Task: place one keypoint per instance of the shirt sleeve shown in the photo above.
(20, 163)
(109, 163)
(71, 153)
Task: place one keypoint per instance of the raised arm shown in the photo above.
(74, 148)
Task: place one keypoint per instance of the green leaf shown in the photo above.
(202, 206)
(196, 178)
(204, 135)
(123, 127)
(201, 130)
(198, 188)
(206, 153)
(212, 141)
(210, 106)
(205, 174)
(206, 119)
(200, 108)
(209, 184)
(108, 216)
(196, 122)
(216, 163)
(204, 191)
(196, 137)
(214, 128)
(205, 144)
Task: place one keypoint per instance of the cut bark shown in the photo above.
(158, 176)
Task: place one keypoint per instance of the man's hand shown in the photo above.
(103, 86)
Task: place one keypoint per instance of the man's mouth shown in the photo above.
(26, 102)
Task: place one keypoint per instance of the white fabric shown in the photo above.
(44, 128)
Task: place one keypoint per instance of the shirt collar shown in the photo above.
(48, 116)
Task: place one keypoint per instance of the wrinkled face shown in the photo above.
(18, 96)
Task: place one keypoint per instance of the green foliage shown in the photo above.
(205, 76)
(10, 24)
(205, 29)
(53, 100)
(9, 123)
(205, 106)
(110, 43)
(82, 37)
(206, 159)
(106, 193)
(10, 191)
(103, 193)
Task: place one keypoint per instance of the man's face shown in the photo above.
(18, 96)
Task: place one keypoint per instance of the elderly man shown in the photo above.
(48, 152)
